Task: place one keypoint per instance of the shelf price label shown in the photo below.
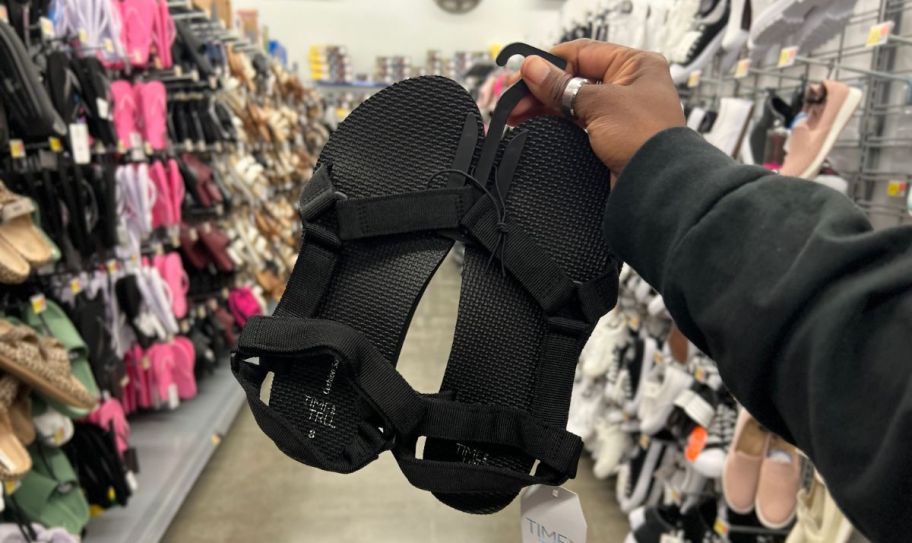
(693, 80)
(787, 56)
(47, 28)
(55, 144)
(897, 188)
(108, 45)
(742, 68)
(17, 148)
(75, 285)
(39, 303)
(83, 35)
(879, 34)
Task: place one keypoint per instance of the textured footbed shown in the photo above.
(557, 196)
(393, 143)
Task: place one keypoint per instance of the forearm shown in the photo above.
(805, 309)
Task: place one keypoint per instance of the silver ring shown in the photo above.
(568, 98)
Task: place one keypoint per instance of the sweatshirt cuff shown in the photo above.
(667, 187)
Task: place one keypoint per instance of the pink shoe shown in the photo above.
(741, 474)
(110, 415)
(162, 214)
(163, 35)
(138, 17)
(171, 269)
(780, 479)
(829, 107)
(177, 190)
(184, 359)
(152, 100)
(161, 369)
(125, 109)
(243, 305)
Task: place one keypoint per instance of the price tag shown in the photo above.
(58, 436)
(879, 34)
(787, 56)
(104, 108)
(195, 75)
(147, 148)
(39, 303)
(75, 285)
(10, 486)
(671, 538)
(83, 35)
(17, 148)
(4, 15)
(553, 514)
(225, 293)
(178, 71)
(47, 28)
(700, 374)
(693, 80)
(897, 188)
(185, 327)
(634, 323)
(108, 45)
(79, 143)
(721, 527)
(742, 68)
(55, 144)
(111, 266)
(644, 441)
(137, 56)
(144, 363)
(188, 146)
(136, 141)
(200, 312)
(158, 248)
(194, 235)
(121, 147)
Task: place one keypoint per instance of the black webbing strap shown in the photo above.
(433, 209)
(408, 412)
(319, 250)
(535, 269)
(554, 380)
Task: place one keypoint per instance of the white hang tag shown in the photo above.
(550, 513)
(79, 143)
(173, 398)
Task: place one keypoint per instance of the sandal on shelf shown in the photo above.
(18, 230)
(42, 363)
(54, 322)
(403, 176)
(50, 493)
(14, 459)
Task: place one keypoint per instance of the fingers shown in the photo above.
(606, 62)
(545, 80)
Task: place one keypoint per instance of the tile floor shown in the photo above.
(252, 492)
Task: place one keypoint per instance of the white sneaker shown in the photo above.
(701, 43)
(739, 23)
(730, 127)
(824, 23)
(586, 401)
(677, 23)
(610, 331)
(774, 21)
(613, 443)
(663, 385)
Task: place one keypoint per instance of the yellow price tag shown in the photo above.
(58, 436)
(108, 45)
(700, 375)
(17, 148)
(634, 323)
(47, 28)
(879, 34)
(694, 79)
(742, 68)
(720, 527)
(897, 188)
(787, 56)
(83, 35)
(644, 441)
(10, 486)
(55, 144)
(39, 303)
(111, 265)
(75, 285)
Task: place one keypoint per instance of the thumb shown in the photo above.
(545, 80)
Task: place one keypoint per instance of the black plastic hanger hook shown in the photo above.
(507, 102)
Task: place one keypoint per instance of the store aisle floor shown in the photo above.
(252, 492)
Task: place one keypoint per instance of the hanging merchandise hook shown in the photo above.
(506, 103)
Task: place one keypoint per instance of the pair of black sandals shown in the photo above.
(405, 176)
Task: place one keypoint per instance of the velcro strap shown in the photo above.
(318, 195)
(434, 209)
(16, 208)
(531, 265)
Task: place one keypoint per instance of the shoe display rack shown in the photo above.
(150, 158)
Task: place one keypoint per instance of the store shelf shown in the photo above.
(173, 447)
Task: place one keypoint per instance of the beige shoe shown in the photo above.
(819, 518)
(780, 479)
(18, 230)
(829, 108)
(741, 474)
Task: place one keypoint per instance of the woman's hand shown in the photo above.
(635, 100)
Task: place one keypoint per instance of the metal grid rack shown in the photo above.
(872, 154)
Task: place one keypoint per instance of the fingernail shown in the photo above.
(535, 70)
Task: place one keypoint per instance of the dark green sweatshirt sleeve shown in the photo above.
(805, 308)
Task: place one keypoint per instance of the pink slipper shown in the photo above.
(110, 415)
(125, 109)
(243, 305)
(138, 17)
(171, 269)
(162, 213)
(741, 473)
(176, 182)
(163, 35)
(161, 368)
(152, 99)
(184, 359)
